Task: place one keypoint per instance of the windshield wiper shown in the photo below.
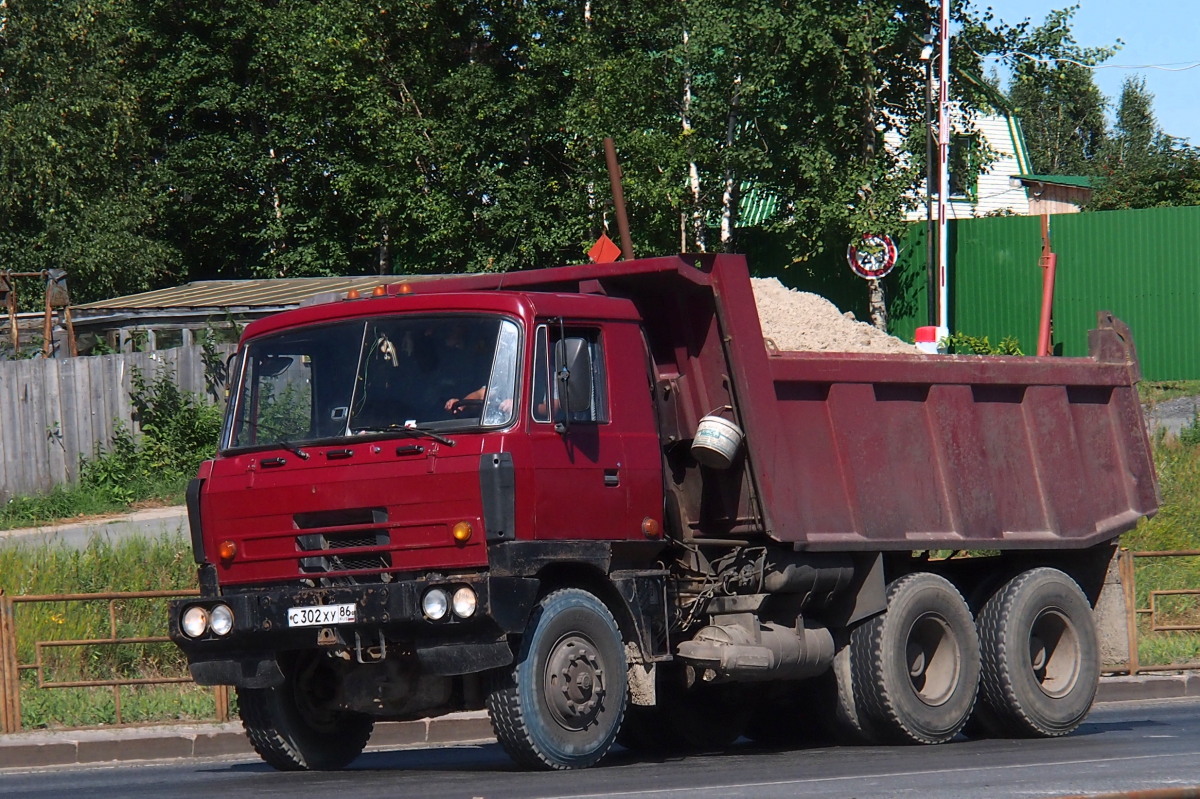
(409, 431)
(293, 448)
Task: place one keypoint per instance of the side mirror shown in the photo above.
(273, 365)
(573, 370)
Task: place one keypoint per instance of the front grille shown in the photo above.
(331, 561)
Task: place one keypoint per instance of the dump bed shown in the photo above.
(851, 451)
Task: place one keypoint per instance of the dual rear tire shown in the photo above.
(1041, 663)
(915, 669)
(1027, 667)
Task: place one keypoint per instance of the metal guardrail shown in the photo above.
(1153, 612)
(11, 669)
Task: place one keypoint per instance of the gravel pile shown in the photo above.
(798, 320)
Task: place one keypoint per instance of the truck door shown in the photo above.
(588, 481)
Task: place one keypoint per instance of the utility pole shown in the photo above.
(943, 132)
(931, 250)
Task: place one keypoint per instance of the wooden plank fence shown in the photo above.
(54, 410)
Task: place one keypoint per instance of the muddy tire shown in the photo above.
(915, 668)
(1041, 663)
(847, 724)
(291, 729)
(563, 703)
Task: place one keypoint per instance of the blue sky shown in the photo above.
(1165, 33)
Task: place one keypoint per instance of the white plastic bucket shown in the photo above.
(716, 442)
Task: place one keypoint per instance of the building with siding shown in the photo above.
(1007, 185)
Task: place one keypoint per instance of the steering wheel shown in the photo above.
(468, 407)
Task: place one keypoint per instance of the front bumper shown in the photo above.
(387, 617)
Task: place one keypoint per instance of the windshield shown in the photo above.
(440, 373)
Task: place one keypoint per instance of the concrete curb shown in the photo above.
(1165, 685)
(173, 741)
(150, 524)
(128, 744)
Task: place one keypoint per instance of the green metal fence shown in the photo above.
(1144, 266)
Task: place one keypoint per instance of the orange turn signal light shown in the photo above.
(651, 528)
(462, 532)
(227, 551)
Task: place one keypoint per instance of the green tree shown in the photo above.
(157, 141)
(1051, 87)
(1142, 167)
(777, 99)
(1060, 107)
(78, 189)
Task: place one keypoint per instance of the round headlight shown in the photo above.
(464, 602)
(435, 603)
(194, 621)
(220, 619)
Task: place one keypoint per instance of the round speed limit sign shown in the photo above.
(872, 257)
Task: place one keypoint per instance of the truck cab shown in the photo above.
(398, 480)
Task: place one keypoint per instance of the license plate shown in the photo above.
(320, 615)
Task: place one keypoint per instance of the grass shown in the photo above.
(1152, 393)
(132, 565)
(64, 503)
(1176, 527)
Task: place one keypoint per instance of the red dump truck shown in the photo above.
(594, 501)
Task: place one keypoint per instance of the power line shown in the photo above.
(1162, 67)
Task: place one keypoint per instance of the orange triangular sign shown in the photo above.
(604, 251)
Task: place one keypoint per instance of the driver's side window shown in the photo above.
(568, 375)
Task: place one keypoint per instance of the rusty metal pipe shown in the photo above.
(614, 179)
(10, 675)
(106, 596)
(1049, 264)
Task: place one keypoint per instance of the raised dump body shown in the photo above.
(490, 491)
(912, 452)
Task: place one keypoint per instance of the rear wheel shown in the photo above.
(293, 727)
(915, 667)
(1041, 665)
(562, 705)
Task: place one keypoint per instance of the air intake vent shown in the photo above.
(348, 517)
(357, 560)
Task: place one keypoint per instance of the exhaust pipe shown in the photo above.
(770, 652)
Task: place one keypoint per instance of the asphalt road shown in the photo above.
(1123, 746)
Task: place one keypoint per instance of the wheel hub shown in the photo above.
(933, 659)
(574, 683)
(1054, 653)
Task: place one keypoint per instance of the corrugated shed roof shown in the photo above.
(263, 293)
(1077, 181)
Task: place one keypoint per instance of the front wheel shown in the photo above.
(293, 728)
(562, 705)
(1041, 665)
